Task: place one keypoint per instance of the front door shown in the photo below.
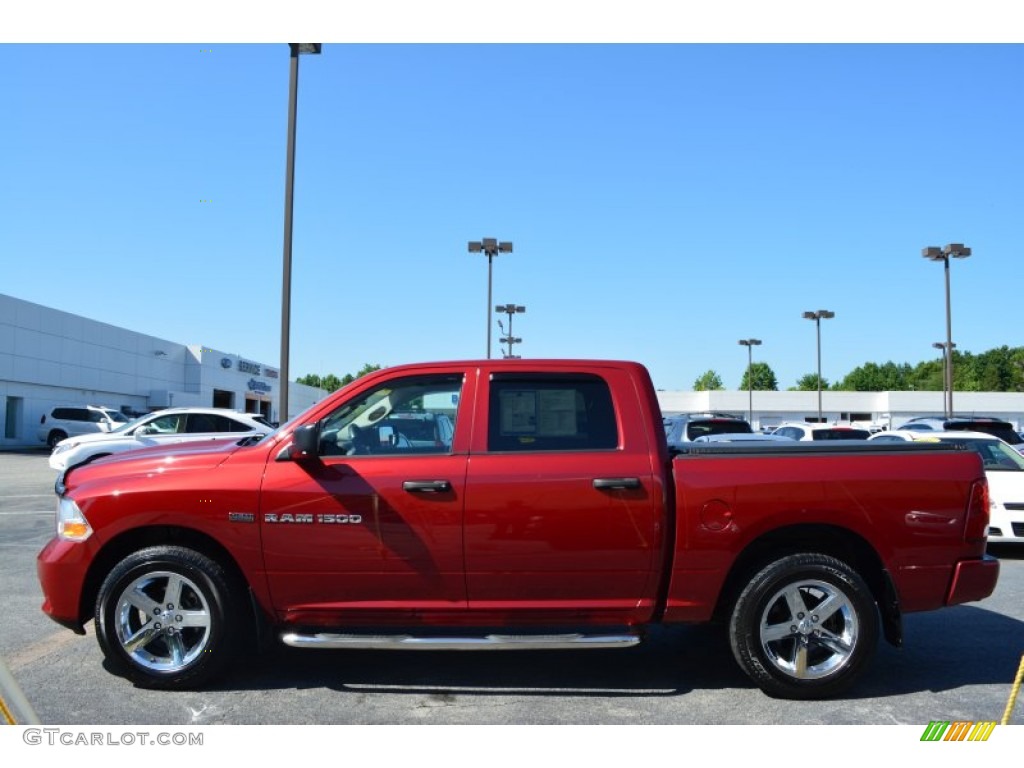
(370, 531)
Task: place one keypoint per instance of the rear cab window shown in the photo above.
(551, 412)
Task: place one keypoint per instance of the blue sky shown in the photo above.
(664, 200)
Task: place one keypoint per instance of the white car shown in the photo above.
(1004, 468)
(802, 430)
(166, 427)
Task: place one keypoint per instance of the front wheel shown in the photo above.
(167, 617)
(805, 627)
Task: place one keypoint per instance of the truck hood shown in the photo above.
(158, 460)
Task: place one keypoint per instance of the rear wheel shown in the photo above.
(167, 617)
(55, 437)
(805, 627)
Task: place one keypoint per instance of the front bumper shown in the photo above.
(62, 567)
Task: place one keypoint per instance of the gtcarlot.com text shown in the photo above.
(71, 737)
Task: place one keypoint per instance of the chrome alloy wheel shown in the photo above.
(163, 621)
(809, 629)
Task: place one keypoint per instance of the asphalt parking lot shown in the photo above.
(957, 664)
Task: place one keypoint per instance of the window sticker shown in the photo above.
(557, 413)
(518, 412)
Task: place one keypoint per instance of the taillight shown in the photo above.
(977, 513)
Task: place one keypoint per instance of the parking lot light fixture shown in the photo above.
(817, 317)
(934, 253)
(289, 187)
(509, 309)
(491, 247)
(750, 344)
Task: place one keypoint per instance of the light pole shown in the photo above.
(817, 317)
(289, 187)
(750, 344)
(934, 253)
(509, 309)
(945, 361)
(492, 248)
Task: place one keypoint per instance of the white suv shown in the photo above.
(166, 427)
(73, 420)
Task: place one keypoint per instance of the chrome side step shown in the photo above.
(333, 641)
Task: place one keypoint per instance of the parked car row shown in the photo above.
(995, 440)
(165, 427)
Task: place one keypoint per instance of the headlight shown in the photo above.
(62, 446)
(71, 523)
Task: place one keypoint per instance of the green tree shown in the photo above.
(707, 381)
(331, 382)
(872, 377)
(348, 378)
(762, 375)
(809, 383)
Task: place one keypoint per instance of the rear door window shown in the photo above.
(556, 412)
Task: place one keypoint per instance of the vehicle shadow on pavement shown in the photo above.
(943, 650)
(670, 662)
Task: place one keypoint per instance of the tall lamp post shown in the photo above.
(945, 362)
(492, 248)
(934, 253)
(750, 344)
(817, 317)
(509, 309)
(289, 188)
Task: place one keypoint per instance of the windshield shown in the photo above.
(841, 434)
(996, 456)
(130, 424)
(703, 427)
(1002, 430)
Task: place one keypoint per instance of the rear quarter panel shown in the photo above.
(910, 508)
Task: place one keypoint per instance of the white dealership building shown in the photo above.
(49, 357)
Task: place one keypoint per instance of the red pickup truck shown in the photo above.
(553, 515)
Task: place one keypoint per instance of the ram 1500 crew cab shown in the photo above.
(554, 517)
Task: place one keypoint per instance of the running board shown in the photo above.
(483, 643)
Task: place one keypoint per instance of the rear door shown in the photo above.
(564, 506)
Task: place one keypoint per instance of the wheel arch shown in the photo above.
(118, 548)
(840, 543)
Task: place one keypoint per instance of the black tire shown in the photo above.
(804, 627)
(55, 437)
(169, 617)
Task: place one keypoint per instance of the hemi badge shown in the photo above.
(241, 517)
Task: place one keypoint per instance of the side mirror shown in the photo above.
(305, 443)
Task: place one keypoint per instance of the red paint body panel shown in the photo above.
(519, 538)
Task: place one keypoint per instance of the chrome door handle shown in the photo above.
(617, 483)
(426, 486)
